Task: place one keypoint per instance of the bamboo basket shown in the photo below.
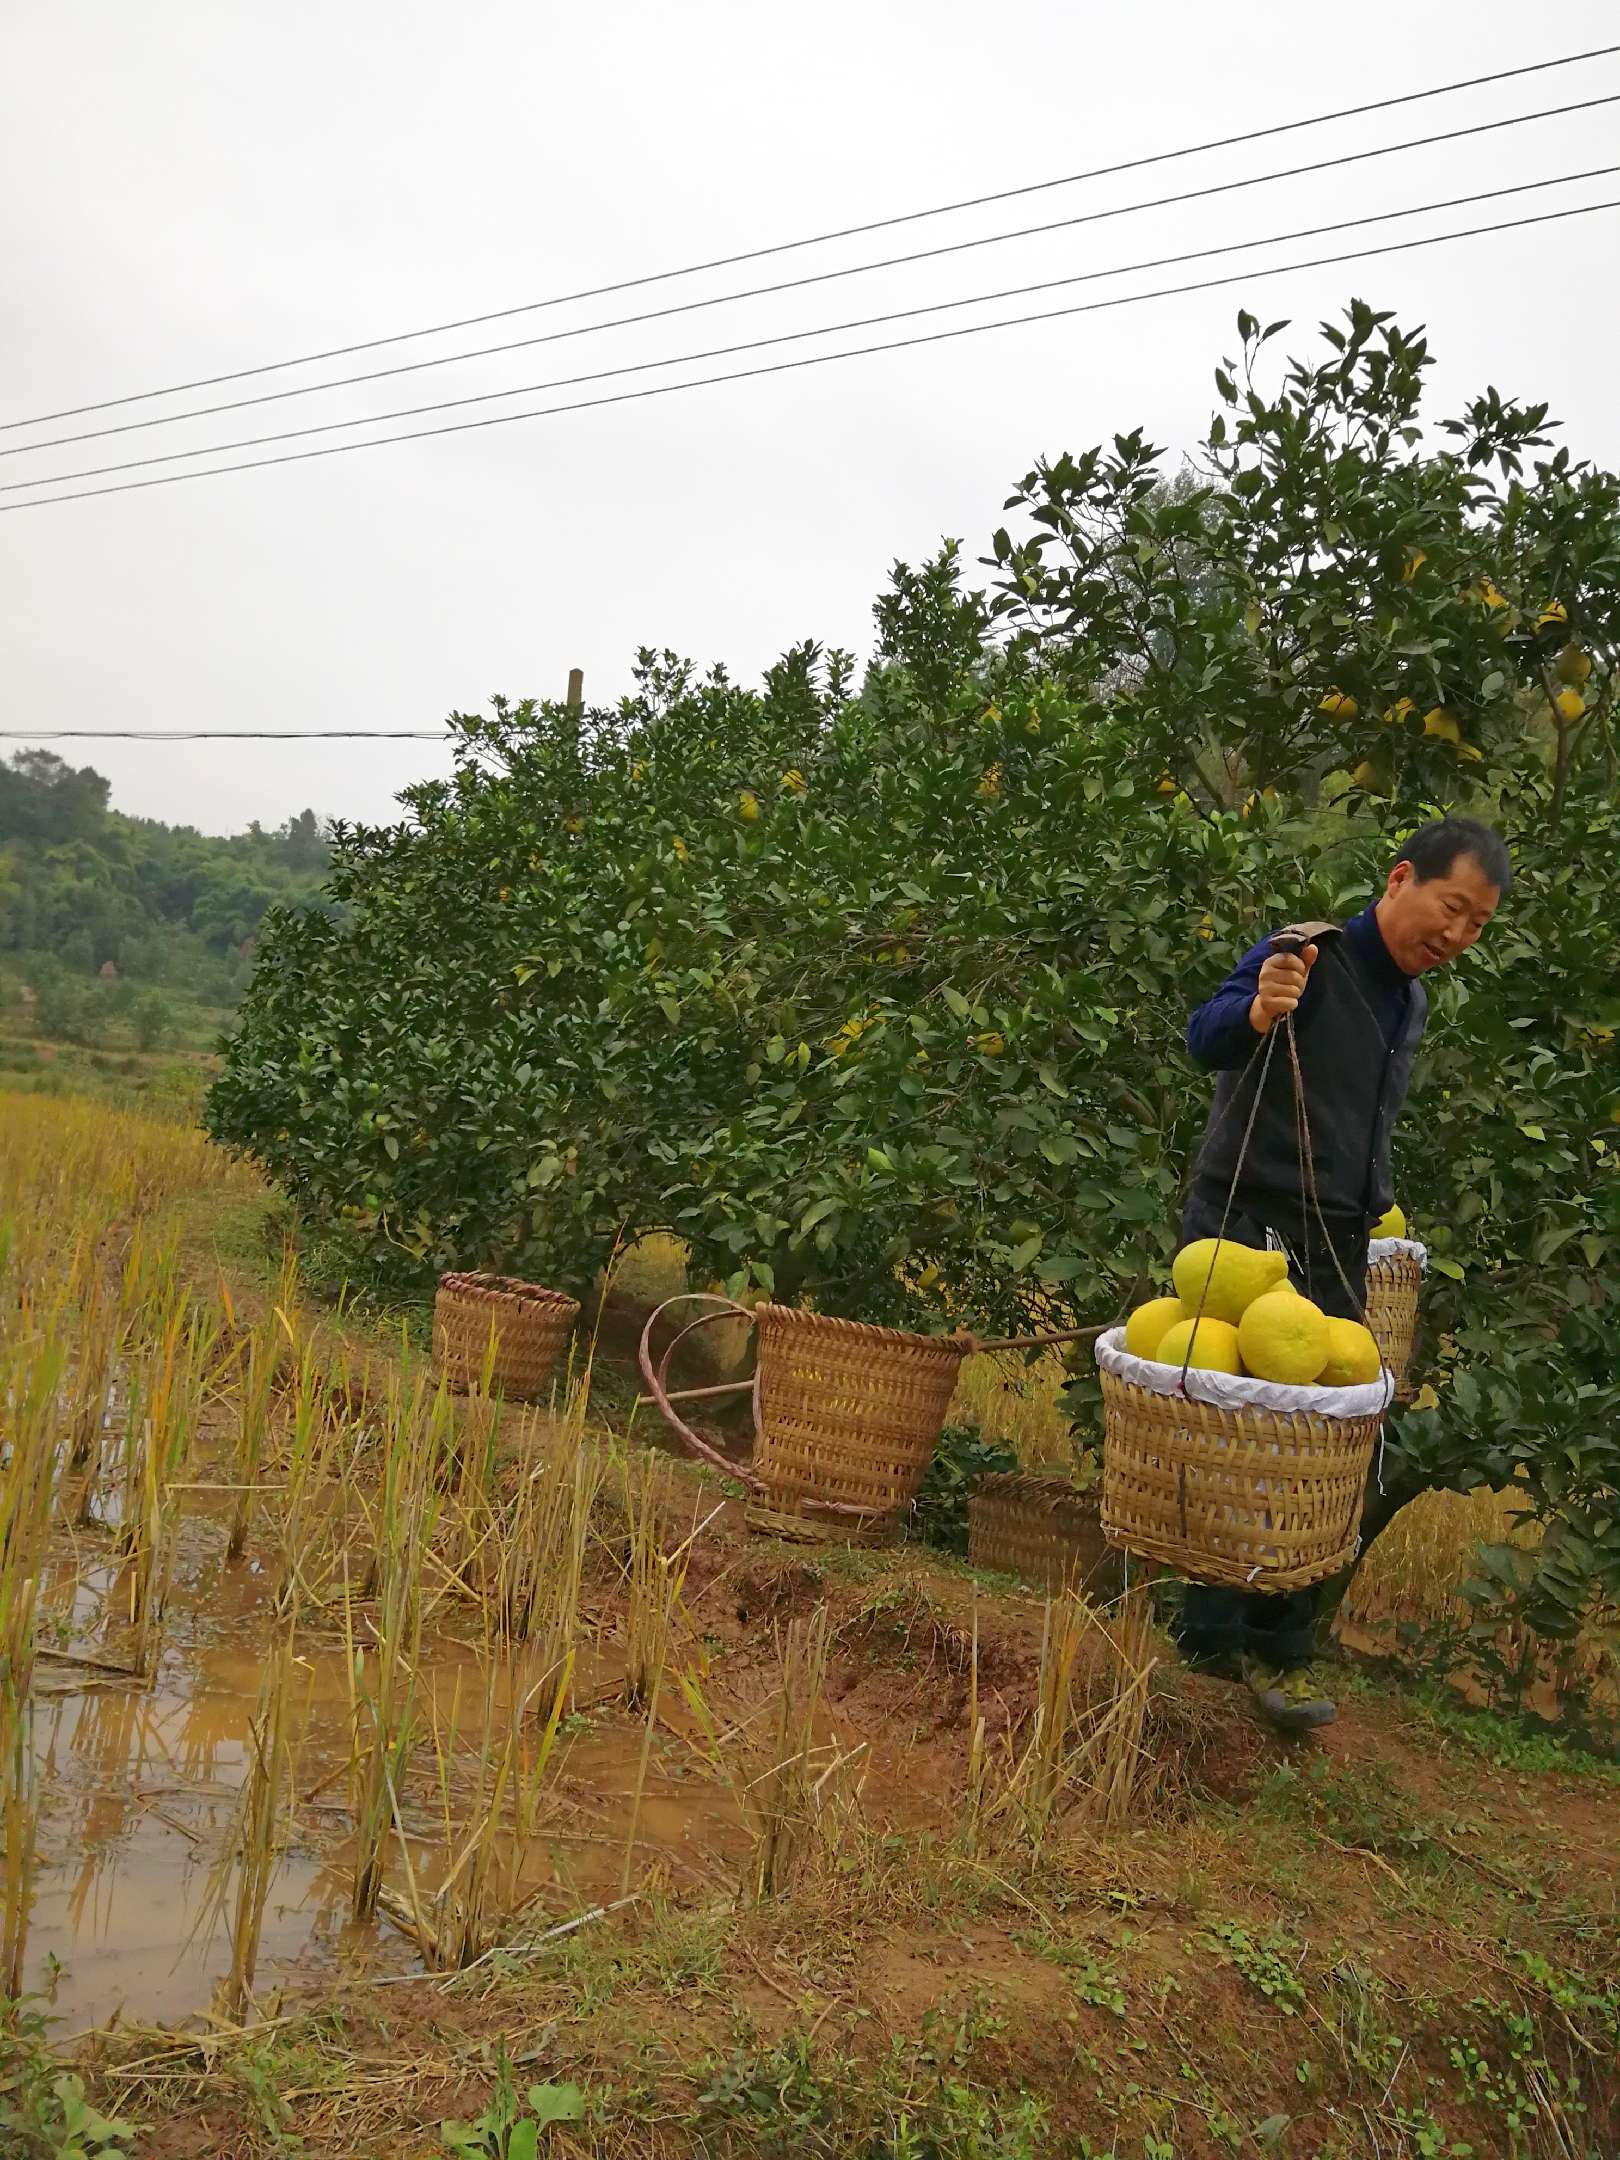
(1043, 1529)
(846, 1417)
(1393, 1284)
(1255, 1498)
(530, 1325)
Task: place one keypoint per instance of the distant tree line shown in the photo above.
(96, 906)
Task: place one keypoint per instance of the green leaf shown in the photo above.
(557, 2103)
(523, 2141)
(957, 1002)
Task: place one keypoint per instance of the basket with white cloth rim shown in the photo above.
(1230, 1480)
(1395, 1270)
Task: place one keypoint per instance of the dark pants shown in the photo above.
(1277, 1628)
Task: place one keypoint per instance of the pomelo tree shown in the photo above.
(878, 995)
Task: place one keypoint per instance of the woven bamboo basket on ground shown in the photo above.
(846, 1417)
(531, 1327)
(847, 1414)
(1044, 1529)
(1393, 1283)
(1256, 1498)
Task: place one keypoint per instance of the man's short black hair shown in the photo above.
(1433, 850)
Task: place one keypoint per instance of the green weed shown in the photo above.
(1269, 1965)
(1091, 1980)
(507, 2130)
(44, 2114)
(783, 2102)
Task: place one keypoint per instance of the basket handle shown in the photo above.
(658, 1382)
(658, 1388)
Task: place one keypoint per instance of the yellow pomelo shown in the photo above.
(1570, 706)
(1147, 1326)
(1353, 1358)
(1573, 665)
(1392, 1224)
(1214, 1346)
(1442, 725)
(1236, 1275)
(1284, 1338)
(1339, 705)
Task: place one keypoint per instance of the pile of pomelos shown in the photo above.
(1235, 1311)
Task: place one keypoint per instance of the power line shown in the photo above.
(810, 360)
(820, 277)
(845, 232)
(821, 359)
(791, 337)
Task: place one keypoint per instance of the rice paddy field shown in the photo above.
(390, 1771)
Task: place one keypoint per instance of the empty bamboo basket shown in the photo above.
(1044, 1529)
(530, 1326)
(848, 1418)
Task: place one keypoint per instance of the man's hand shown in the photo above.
(1282, 985)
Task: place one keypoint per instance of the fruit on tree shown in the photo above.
(1441, 725)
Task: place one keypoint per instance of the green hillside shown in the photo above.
(126, 932)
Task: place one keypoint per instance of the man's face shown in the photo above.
(1427, 921)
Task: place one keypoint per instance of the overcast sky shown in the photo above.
(196, 186)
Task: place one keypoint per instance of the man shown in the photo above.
(1359, 1010)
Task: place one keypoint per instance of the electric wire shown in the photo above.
(845, 232)
(789, 337)
(811, 360)
(819, 277)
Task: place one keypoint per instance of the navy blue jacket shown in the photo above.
(1357, 1028)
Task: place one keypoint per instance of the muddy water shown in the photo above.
(138, 1788)
(139, 1793)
